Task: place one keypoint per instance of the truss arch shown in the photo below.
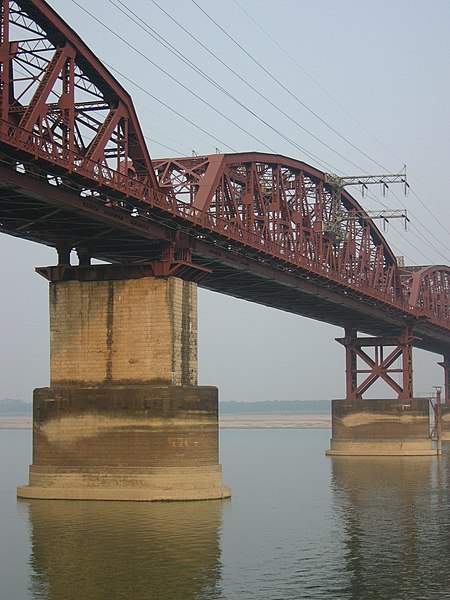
(59, 101)
(288, 206)
(428, 289)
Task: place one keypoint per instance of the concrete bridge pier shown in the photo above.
(123, 418)
(380, 427)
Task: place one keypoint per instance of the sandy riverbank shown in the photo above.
(16, 422)
(275, 422)
(225, 422)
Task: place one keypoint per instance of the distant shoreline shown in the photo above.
(16, 421)
(254, 421)
(274, 421)
(259, 414)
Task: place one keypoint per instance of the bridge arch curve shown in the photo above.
(73, 158)
(293, 212)
(428, 289)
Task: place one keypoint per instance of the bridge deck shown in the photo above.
(32, 209)
(75, 173)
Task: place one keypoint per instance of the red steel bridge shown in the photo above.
(76, 174)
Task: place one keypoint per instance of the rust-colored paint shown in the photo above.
(265, 209)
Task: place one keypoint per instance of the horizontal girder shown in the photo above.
(75, 172)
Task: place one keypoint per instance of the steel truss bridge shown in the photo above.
(75, 173)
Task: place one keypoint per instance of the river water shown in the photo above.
(299, 525)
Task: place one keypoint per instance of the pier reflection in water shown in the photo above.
(300, 526)
(396, 517)
(125, 550)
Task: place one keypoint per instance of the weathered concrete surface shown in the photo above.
(125, 331)
(141, 442)
(381, 428)
(123, 418)
(445, 422)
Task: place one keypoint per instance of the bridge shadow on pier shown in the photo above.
(124, 550)
(396, 518)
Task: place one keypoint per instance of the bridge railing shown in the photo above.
(85, 171)
(102, 174)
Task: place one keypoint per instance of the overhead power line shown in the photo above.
(160, 39)
(286, 89)
(196, 69)
(149, 139)
(423, 226)
(321, 87)
(430, 212)
(139, 87)
(232, 70)
(142, 106)
(254, 89)
(351, 116)
(424, 239)
(441, 205)
(177, 81)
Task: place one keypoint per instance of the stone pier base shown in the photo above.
(134, 442)
(381, 428)
(130, 484)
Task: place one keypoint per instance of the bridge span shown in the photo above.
(123, 417)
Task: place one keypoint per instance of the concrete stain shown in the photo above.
(109, 332)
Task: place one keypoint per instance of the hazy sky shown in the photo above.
(375, 72)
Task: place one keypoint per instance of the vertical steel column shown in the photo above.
(64, 249)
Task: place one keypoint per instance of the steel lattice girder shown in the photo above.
(286, 206)
(428, 288)
(68, 127)
(54, 87)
